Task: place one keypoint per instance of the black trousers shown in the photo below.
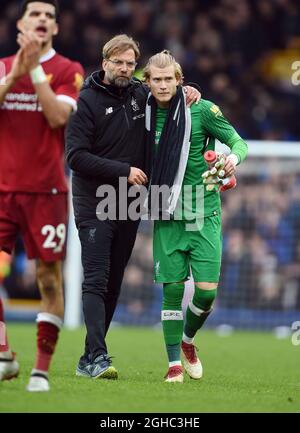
(106, 247)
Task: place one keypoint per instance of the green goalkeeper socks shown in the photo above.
(198, 310)
(172, 319)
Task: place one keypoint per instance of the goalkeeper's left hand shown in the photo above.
(224, 167)
(213, 176)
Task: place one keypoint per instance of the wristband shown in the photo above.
(38, 75)
(234, 158)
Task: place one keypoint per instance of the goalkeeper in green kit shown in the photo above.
(180, 137)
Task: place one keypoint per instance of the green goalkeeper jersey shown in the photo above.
(208, 124)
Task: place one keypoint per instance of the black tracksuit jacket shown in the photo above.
(104, 138)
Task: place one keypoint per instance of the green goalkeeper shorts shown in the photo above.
(177, 251)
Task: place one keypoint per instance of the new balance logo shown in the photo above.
(109, 111)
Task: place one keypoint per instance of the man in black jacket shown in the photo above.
(106, 141)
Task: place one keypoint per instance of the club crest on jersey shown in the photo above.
(134, 105)
(92, 234)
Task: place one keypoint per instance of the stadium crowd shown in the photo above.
(241, 54)
(260, 265)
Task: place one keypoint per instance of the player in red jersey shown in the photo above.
(37, 94)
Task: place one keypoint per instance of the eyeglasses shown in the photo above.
(119, 63)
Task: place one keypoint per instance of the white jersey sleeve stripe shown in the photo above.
(68, 100)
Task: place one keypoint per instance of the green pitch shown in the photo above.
(245, 372)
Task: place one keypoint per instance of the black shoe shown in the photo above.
(84, 366)
(101, 368)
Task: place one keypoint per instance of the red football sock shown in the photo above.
(47, 336)
(3, 336)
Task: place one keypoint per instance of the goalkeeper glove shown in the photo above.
(214, 177)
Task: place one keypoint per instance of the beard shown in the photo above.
(120, 82)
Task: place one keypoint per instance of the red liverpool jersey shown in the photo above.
(31, 153)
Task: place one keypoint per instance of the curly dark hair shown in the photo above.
(51, 2)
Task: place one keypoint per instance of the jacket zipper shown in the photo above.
(126, 117)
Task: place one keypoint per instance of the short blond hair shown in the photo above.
(163, 60)
(120, 43)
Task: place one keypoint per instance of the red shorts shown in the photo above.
(41, 219)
